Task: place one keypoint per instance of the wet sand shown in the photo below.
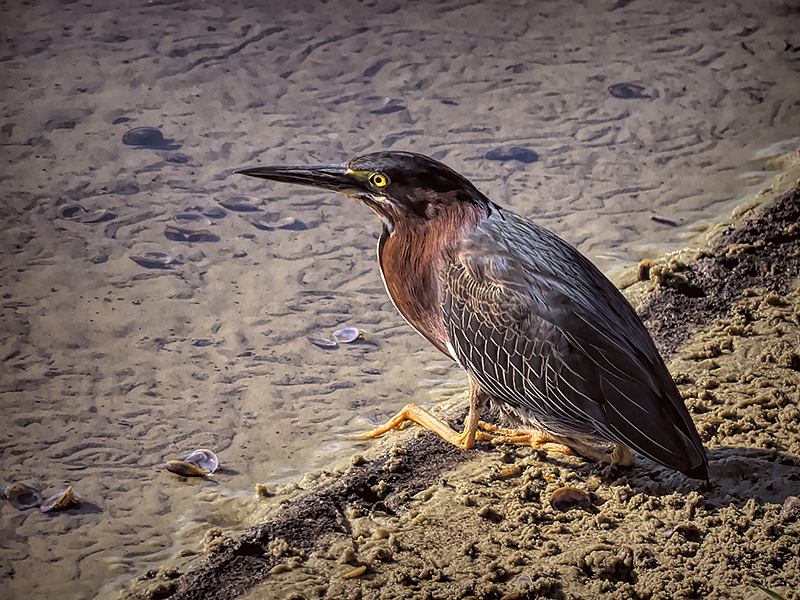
(417, 518)
(110, 368)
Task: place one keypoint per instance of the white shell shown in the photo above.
(21, 496)
(73, 211)
(205, 459)
(347, 335)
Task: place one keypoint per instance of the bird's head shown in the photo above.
(399, 186)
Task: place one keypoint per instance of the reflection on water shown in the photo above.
(591, 120)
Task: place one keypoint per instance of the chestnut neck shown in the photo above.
(412, 258)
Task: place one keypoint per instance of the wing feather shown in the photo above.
(542, 330)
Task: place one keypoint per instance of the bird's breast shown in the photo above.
(411, 272)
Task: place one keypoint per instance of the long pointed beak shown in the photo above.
(330, 177)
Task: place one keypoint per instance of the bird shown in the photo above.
(543, 335)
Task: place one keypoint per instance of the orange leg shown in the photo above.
(542, 440)
(412, 412)
(521, 437)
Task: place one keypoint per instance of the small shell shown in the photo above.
(348, 334)
(63, 500)
(567, 498)
(205, 459)
(288, 223)
(791, 507)
(241, 203)
(148, 137)
(323, 343)
(153, 260)
(184, 219)
(185, 469)
(77, 213)
(21, 496)
(71, 211)
(93, 216)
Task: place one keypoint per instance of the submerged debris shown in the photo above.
(77, 213)
(184, 234)
(153, 259)
(627, 91)
(270, 221)
(241, 203)
(186, 219)
(523, 155)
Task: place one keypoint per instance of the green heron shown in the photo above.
(540, 330)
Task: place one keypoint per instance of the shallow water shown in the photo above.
(110, 369)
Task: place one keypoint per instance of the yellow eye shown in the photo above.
(379, 180)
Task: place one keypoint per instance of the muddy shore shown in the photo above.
(649, 122)
(417, 518)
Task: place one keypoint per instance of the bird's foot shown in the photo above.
(412, 412)
(542, 440)
(619, 456)
(522, 437)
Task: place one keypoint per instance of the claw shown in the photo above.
(523, 437)
(412, 412)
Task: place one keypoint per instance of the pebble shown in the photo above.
(509, 473)
(567, 498)
(686, 530)
(147, 137)
(643, 270)
(357, 572)
(523, 155)
(262, 491)
(627, 91)
(791, 507)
